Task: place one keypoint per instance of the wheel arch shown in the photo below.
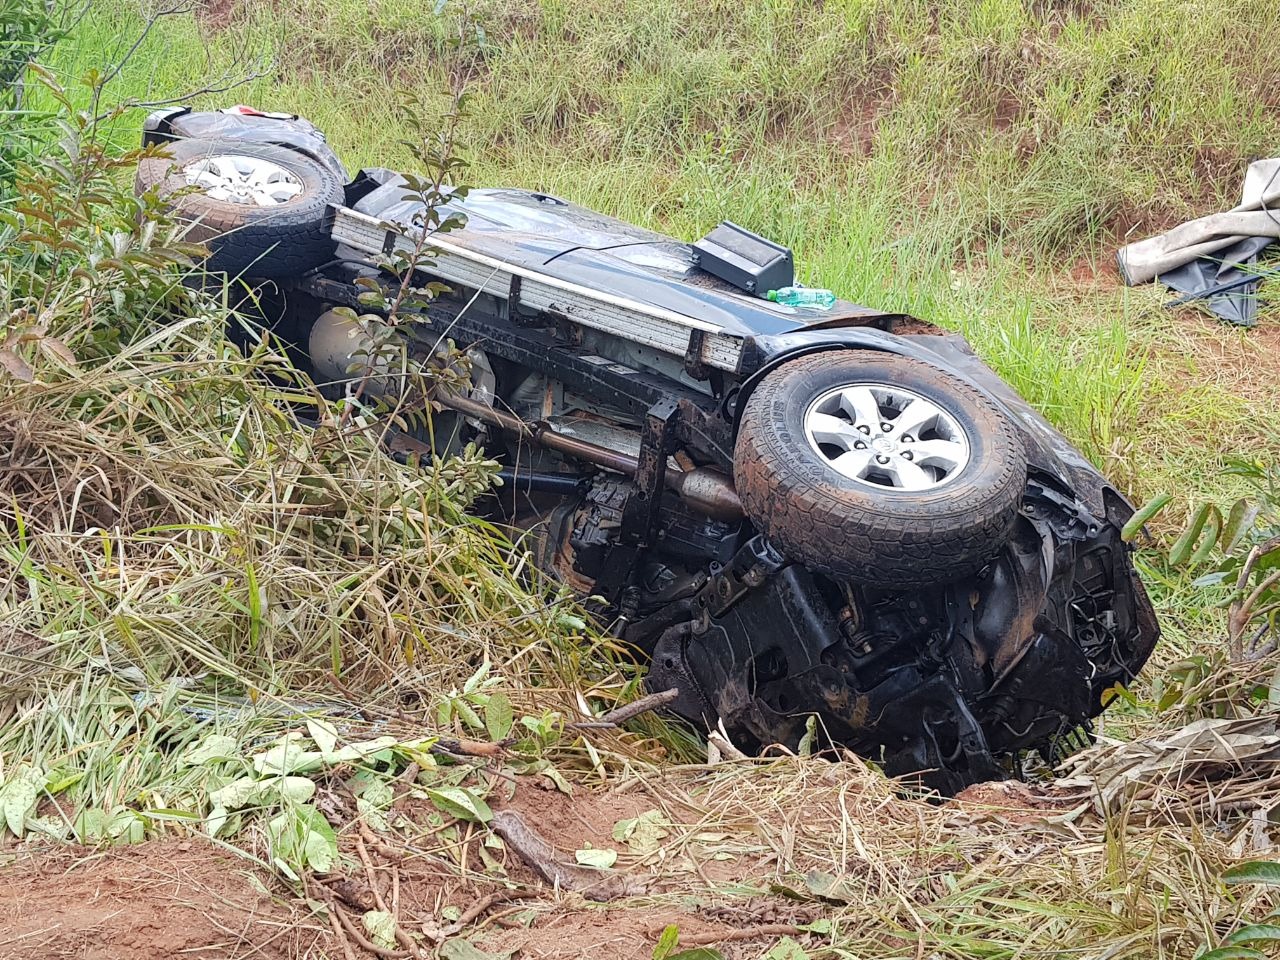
(1048, 451)
(770, 352)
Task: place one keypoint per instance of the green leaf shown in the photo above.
(64, 782)
(467, 714)
(90, 825)
(126, 826)
(216, 820)
(1253, 933)
(1139, 519)
(210, 749)
(1240, 519)
(240, 792)
(1211, 579)
(697, 953)
(302, 838)
(19, 795)
(373, 798)
(602, 859)
(644, 834)
(361, 750)
(667, 942)
(498, 717)
(466, 950)
(787, 949)
(477, 678)
(324, 733)
(1180, 553)
(570, 623)
(1212, 532)
(381, 927)
(1233, 953)
(805, 747)
(461, 803)
(378, 792)
(295, 789)
(1254, 871)
(287, 756)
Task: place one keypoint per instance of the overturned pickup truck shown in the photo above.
(823, 512)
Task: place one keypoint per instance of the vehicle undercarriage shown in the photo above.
(830, 521)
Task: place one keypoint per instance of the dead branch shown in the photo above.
(545, 860)
(364, 942)
(477, 909)
(341, 936)
(369, 875)
(744, 933)
(1241, 611)
(630, 711)
(350, 891)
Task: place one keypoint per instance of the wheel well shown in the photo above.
(749, 385)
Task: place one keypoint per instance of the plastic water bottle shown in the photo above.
(803, 297)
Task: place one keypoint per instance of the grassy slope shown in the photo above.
(949, 160)
(965, 162)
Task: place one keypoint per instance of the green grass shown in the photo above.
(948, 160)
(951, 160)
(965, 162)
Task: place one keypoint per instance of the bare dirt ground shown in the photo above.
(161, 899)
(191, 899)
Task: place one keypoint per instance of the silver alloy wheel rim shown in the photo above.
(235, 178)
(886, 437)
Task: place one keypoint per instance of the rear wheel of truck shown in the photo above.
(260, 208)
(877, 468)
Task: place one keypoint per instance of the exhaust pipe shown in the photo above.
(705, 490)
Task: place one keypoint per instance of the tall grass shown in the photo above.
(943, 159)
(178, 559)
(178, 554)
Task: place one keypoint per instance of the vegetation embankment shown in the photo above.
(213, 623)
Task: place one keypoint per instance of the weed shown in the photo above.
(204, 606)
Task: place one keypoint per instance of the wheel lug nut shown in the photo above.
(859, 445)
(887, 427)
(863, 428)
(907, 438)
(882, 459)
(906, 454)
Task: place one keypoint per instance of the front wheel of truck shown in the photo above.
(878, 468)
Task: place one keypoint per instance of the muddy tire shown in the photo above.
(926, 495)
(260, 208)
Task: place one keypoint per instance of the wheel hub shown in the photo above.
(234, 178)
(886, 436)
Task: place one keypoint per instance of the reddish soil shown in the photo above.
(216, 14)
(163, 899)
(188, 899)
(1243, 362)
(572, 823)
(1015, 802)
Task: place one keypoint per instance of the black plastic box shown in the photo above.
(748, 261)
